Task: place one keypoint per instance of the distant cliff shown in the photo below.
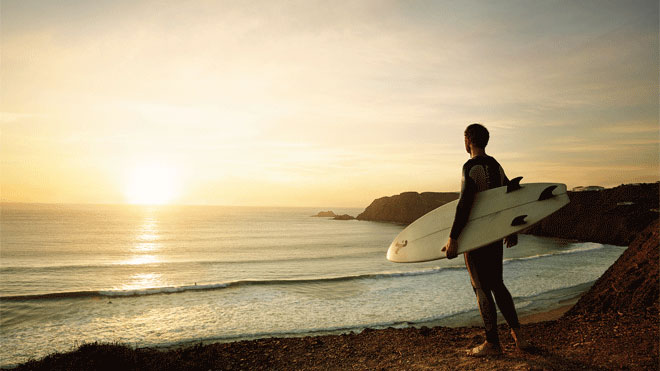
(613, 216)
(406, 207)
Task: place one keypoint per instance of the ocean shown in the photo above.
(173, 275)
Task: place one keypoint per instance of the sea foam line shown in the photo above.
(285, 281)
(116, 265)
(588, 247)
(216, 286)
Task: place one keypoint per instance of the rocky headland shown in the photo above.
(405, 207)
(613, 216)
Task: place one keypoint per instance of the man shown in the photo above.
(482, 172)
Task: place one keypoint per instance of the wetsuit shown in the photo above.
(485, 263)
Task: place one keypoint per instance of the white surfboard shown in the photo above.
(496, 213)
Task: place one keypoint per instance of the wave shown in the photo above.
(524, 304)
(216, 286)
(589, 246)
(114, 265)
(284, 281)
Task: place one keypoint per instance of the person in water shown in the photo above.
(482, 172)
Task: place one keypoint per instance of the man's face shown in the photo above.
(467, 144)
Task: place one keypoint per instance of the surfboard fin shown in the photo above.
(514, 184)
(519, 220)
(547, 193)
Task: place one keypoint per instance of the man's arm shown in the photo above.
(468, 191)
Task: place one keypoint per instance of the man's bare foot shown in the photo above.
(520, 338)
(485, 350)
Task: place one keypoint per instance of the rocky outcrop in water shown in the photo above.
(325, 214)
(406, 207)
(343, 217)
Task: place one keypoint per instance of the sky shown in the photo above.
(318, 103)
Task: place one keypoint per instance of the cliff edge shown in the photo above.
(631, 284)
(406, 207)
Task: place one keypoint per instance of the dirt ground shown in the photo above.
(614, 341)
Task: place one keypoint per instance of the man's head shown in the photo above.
(477, 135)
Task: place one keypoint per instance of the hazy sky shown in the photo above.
(320, 103)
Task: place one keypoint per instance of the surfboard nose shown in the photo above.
(394, 252)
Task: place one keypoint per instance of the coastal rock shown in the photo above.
(325, 214)
(405, 207)
(613, 216)
(343, 217)
(630, 284)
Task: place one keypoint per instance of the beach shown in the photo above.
(164, 277)
(594, 343)
(614, 325)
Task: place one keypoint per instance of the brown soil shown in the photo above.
(592, 343)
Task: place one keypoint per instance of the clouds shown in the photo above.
(309, 90)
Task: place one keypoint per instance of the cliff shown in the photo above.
(406, 207)
(613, 216)
(630, 285)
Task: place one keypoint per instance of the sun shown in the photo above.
(151, 184)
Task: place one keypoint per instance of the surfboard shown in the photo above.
(495, 214)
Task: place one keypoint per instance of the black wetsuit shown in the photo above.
(485, 263)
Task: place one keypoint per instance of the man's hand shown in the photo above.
(511, 240)
(451, 247)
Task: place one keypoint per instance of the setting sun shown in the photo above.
(151, 184)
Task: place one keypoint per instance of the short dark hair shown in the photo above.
(477, 134)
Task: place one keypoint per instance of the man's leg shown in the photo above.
(505, 303)
(488, 314)
(477, 268)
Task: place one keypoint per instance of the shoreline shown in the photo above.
(550, 315)
(529, 318)
(545, 307)
(604, 341)
(470, 319)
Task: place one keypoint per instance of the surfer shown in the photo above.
(482, 172)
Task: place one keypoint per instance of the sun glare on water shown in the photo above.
(151, 184)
